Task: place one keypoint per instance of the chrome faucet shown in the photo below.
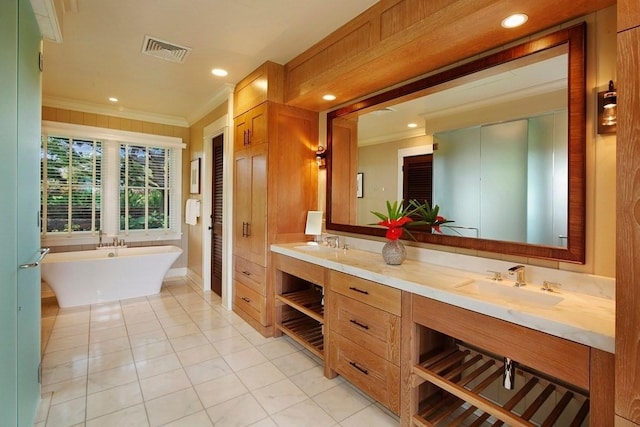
(518, 270)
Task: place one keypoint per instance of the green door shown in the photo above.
(19, 228)
(8, 212)
(29, 130)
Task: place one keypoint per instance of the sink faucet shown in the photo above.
(518, 270)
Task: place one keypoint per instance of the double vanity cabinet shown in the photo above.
(432, 362)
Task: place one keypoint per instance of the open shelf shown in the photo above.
(307, 301)
(461, 375)
(307, 332)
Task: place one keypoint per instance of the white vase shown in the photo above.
(394, 252)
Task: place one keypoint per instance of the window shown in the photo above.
(122, 183)
(70, 178)
(144, 187)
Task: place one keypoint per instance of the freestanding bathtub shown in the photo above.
(101, 275)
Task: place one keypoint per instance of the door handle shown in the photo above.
(43, 253)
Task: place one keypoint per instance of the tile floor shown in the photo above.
(180, 359)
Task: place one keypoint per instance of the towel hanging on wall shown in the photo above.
(192, 211)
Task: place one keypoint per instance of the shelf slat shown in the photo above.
(307, 332)
(308, 301)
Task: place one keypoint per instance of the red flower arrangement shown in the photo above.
(395, 220)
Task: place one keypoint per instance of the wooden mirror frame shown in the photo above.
(574, 252)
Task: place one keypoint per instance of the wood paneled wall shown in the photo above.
(627, 359)
(111, 122)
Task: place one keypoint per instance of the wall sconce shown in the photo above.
(608, 110)
(321, 157)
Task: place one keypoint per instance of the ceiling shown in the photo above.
(100, 53)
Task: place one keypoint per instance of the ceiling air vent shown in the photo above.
(164, 50)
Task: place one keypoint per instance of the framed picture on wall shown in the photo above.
(359, 185)
(195, 177)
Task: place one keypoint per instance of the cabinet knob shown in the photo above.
(245, 299)
(246, 273)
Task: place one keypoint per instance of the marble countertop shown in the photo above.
(582, 318)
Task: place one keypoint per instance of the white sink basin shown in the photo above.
(510, 294)
(316, 248)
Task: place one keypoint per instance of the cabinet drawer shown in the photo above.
(374, 329)
(249, 274)
(374, 294)
(375, 376)
(250, 302)
(310, 272)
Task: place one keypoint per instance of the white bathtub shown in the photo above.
(90, 277)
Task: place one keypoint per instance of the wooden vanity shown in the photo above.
(434, 363)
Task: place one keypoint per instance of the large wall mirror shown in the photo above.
(498, 143)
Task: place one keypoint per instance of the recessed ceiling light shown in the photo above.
(113, 99)
(219, 72)
(514, 20)
(329, 97)
(412, 125)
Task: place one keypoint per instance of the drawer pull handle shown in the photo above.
(358, 290)
(246, 273)
(245, 299)
(362, 325)
(355, 365)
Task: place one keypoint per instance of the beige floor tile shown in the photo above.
(306, 413)
(66, 390)
(220, 390)
(145, 326)
(341, 401)
(173, 407)
(67, 342)
(68, 413)
(294, 363)
(371, 416)
(197, 354)
(147, 338)
(278, 396)
(188, 341)
(276, 348)
(260, 375)
(109, 346)
(64, 372)
(151, 351)
(187, 328)
(239, 411)
(134, 416)
(43, 407)
(73, 354)
(110, 360)
(232, 345)
(265, 422)
(199, 419)
(159, 365)
(244, 358)
(222, 334)
(113, 399)
(208, 370)
(165, 383)
(106, 334)
(313, 381)
(110, 378)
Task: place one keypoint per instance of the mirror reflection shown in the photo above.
(490, 147)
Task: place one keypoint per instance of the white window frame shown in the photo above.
(111, 140)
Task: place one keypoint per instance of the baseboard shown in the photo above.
(176, 272)
(194, 277)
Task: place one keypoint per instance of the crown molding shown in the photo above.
(218, 98)
(88, 107)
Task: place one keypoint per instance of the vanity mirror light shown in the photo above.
(503, 145)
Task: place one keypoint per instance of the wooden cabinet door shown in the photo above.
(251, 128)
(250, 207)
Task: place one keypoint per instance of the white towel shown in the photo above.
(192, 211)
